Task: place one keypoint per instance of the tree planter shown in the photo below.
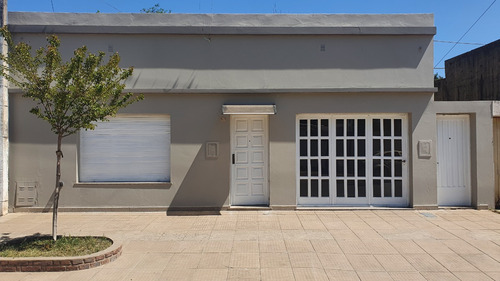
(39, 264)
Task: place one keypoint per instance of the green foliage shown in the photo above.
(69, 95)
(45, 246)
(437, 76)
(156, 10)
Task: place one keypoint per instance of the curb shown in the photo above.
(46, 264)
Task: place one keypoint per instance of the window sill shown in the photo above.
(131, 185)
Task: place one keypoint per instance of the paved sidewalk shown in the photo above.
(282, 245)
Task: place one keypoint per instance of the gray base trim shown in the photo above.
(482, 207)
(425, 207)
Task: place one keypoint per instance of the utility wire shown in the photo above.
(52, 3)
(465, 33)
(463, 43)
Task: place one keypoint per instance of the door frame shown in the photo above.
(232, 132)
(468, 173)
(371, 201)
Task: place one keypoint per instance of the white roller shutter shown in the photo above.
(128, 148)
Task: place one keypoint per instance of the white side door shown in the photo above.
(249, 168)
(453, 155)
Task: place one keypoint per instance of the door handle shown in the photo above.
(233, 158)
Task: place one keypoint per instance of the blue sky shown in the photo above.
(452, 17)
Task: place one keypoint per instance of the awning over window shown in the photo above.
(248, 109)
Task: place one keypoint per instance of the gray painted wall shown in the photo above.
(191, 76)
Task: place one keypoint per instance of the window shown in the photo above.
(128, 148)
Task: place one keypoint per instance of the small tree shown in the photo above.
(156, 9)
(70, 95)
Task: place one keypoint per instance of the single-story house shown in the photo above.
(270, 110)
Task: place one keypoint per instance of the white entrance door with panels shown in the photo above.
(249, 171)
(352, 160)
(453, 155)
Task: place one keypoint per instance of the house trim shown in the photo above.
(222, 24)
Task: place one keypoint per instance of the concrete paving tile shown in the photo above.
(154, 261)
(217, 246)
(379, 247)
(104, 274)
(343, 234)
(341, 275)
(222, 235)
(424, 262)
(295, 234)
(310, 274)
(406, 276)
(353, 247)
(373, 276)
(394, 263)
(184, 261)
(274, 260)
(244, 274)
(334, 261)
(309, 260)
(126, 261)
(245, 247)
(177, 275)
(364, 263)
(244, 260)
(198, 235)
(192, 246)
(13, 276)
(434, 246)
(247, 225)
(46, 276)
(476, 276)
(214, 260)
(461, 247)
(439, 276)
(270, 235)
(272, 246)
(210, 275)
(483, 262)
(406, 247)
(246, 235)
(299, 246)
(367, 234)
(454, 262)
(137, 275)
(277, 274)
(325, 246)
(493, 275)
(269, 225)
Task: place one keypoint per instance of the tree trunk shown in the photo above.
(59, 155)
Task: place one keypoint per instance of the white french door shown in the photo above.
(352, 160)
(249, 168)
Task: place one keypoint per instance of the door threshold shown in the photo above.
(249, 208)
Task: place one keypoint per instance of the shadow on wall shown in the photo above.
(205, 187)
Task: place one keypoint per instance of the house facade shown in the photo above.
(280, 111)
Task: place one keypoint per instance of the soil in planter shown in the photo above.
(45, 246)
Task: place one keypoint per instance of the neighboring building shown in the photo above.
(277, 110)
(474, 75)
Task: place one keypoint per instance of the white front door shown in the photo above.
(249, 169)
(453, 155)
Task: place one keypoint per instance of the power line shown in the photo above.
(52, 3)
(466, 33)
(463, 43)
